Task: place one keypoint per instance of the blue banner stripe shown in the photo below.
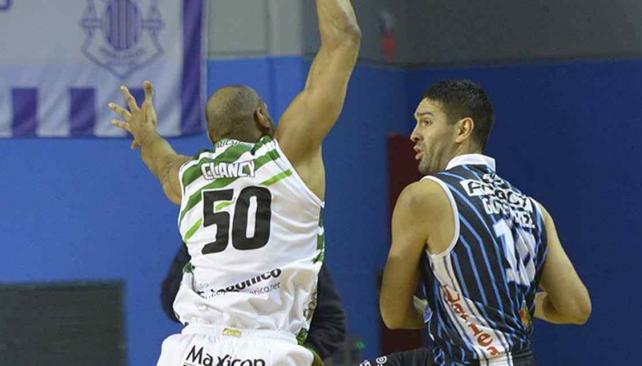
(139, 94)
(121, 37)
(25, 111)
(82, 111)
(191, 111)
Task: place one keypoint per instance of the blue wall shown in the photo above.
(567, 134)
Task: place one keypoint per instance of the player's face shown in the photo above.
(433, 136)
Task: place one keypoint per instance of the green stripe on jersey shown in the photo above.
(222, 205)
(321, 241)
(277, 178)
(320, 257)
(192, 230)
(195, 198)
(231, 154)
(302, 336)
(321, 217)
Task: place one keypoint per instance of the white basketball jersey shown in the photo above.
(254, 232)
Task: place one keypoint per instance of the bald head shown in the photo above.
(237, 112)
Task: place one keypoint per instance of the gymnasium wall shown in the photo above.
(435, 32)
(86, 209)
(567, 132)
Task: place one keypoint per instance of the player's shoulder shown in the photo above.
(425, 194)
(545, 215)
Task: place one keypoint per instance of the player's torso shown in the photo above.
(254, 234)
(481, 290)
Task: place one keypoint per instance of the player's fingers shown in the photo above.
(129, 98)
(134, 145)
(120, 124)
(120, 110)
(149, 91)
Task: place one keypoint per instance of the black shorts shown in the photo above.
(423, 357)
(415, 357)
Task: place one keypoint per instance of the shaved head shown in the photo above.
(237, 112)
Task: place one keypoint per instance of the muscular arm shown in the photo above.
(156, 152)
(313, 112)
(401, 273)
(164, 163)
(565, 299)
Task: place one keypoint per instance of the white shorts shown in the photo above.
(207, 345)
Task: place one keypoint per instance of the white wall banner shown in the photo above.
(62, 61)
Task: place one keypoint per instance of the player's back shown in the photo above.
(481, 289)
(254, 233)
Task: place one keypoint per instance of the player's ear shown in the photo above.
(262, 118)
(464, 129)
(212, 136)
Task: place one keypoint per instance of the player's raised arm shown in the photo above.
(314, 111)
(156, 152)
(565, 299)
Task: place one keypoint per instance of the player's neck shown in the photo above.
(465, 150)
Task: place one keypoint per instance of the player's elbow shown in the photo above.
(352, 33)
(392, 322)
(578, 310)
(581, 311)
(171, 193)
(392, 318)
(346, 37)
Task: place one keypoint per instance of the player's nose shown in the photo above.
(414, 136)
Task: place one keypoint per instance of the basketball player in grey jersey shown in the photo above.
(250, 299)
(490, 255)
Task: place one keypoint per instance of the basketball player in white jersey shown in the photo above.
(251, 210)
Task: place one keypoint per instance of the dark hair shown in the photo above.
(461, 99)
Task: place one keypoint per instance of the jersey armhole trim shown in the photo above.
(539, 214)
(186, 165)
(453, 206)
(296, 175)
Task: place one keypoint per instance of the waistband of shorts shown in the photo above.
(515, 356)
(220, 330)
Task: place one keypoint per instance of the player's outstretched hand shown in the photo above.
(139, 122)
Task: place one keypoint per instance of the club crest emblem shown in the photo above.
(121, 36)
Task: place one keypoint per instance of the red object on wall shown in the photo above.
(389, 47)
(402, 170)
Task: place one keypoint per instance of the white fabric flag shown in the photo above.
(62, 61)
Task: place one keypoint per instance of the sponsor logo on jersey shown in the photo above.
(213, 171)
(247, 284)
(201, 358)
(525, 316)
(381, 360)
(484, 339)
(498, 197)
